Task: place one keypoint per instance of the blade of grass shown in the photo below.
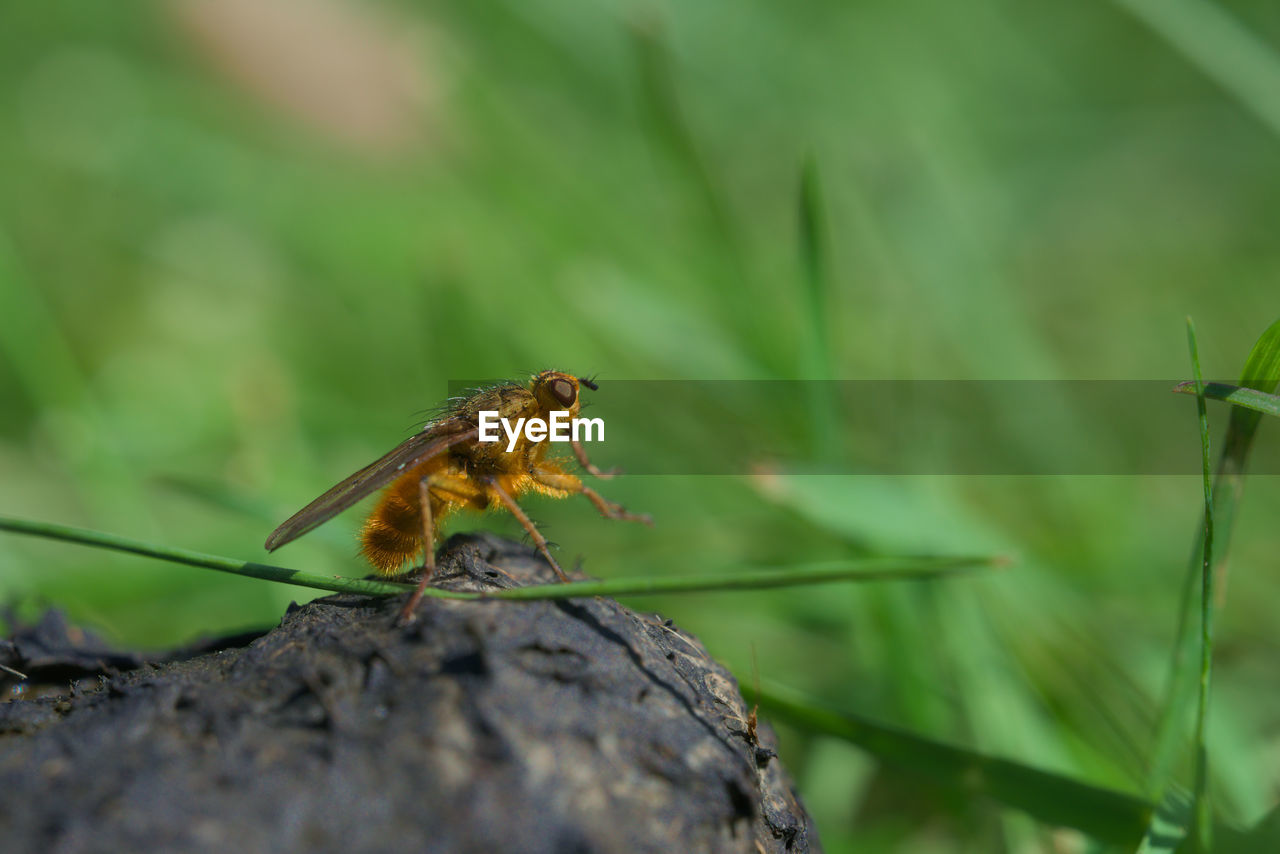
(1169, 822)
(663, 112)
(1201, 806)
(113, 542)
(35, 345)
(1261, 373)
(817, 355)
(676, 140)
(863, 569)
(1105, 814)
(1223, 49)
(1267, 404)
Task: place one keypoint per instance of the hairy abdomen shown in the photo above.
(392, 534)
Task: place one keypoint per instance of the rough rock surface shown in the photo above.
(571, 726)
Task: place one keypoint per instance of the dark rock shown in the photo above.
(484, 726)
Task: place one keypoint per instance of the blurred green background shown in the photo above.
(242, 244)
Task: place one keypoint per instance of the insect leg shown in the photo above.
(428, 549)
(538, 540)
(569, 483)
(581, 453)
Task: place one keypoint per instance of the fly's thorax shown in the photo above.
(509, 401)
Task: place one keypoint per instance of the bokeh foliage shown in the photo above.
(239, 249)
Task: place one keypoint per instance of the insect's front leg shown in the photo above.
(554, 479)
(581, 453)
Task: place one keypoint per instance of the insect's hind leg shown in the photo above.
(441, 483)
(428, 549)
(536, 535)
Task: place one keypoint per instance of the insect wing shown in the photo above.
(431, 441)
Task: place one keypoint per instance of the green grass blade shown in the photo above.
(823, 423)
(32, 341)
(35, 347)
(1261, 373)
(863, 569)
(1267, 404)
(813, 255)
(667, 121)
(1169, 822)
(1201, 807)
(113, 542)
(1105, 814)
(1223, 49)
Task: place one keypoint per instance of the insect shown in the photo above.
(445, 467)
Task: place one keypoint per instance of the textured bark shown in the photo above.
(484, 726)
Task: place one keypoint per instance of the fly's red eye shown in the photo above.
(564, 392)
